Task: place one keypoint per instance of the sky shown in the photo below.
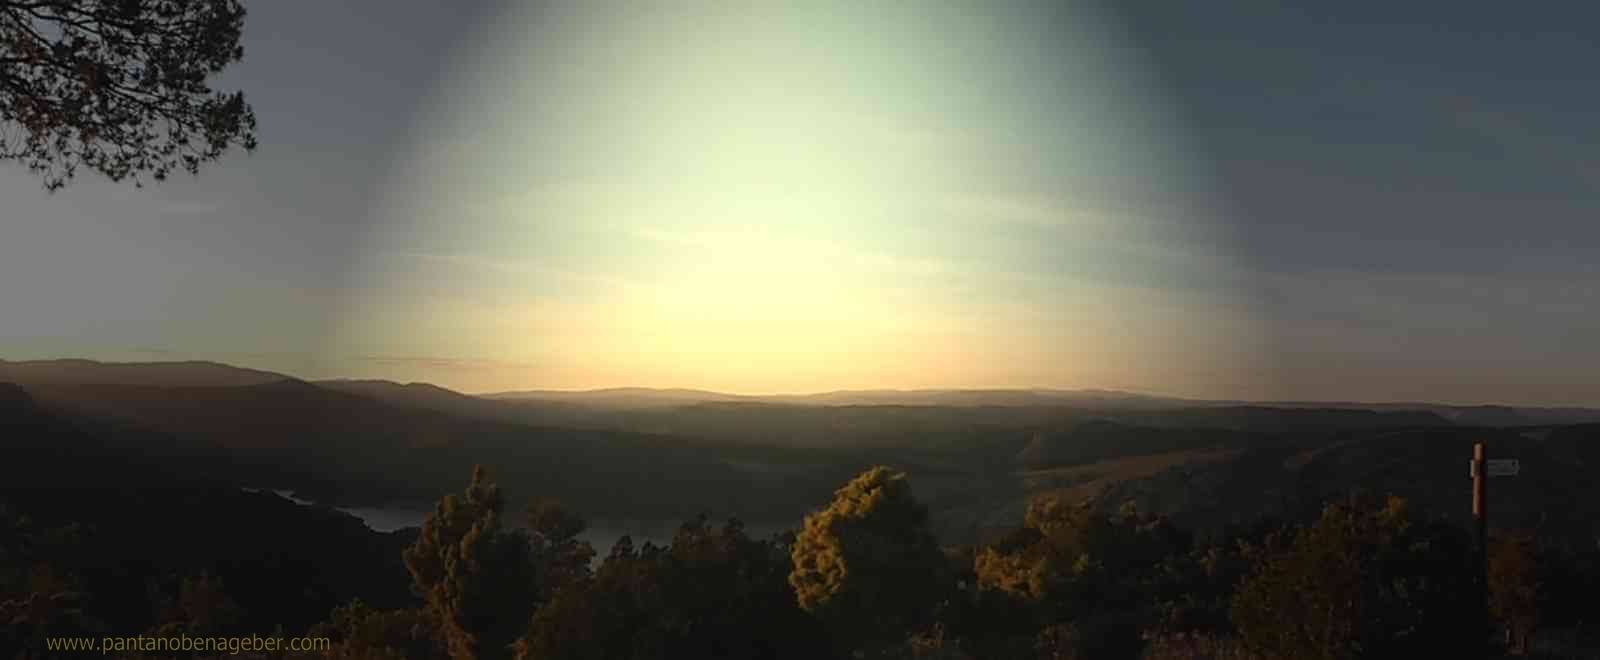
(1360, 201)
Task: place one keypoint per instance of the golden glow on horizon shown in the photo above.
(780, 199)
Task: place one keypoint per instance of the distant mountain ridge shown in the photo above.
(628, 453)
(642, 397)
(193, 373)
(649, 397)
(628, 397)
(566, 406)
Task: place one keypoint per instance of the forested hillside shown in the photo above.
(925, 531)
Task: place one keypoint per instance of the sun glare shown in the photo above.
(761, 191)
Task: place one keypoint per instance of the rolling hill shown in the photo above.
(665, 455)
(155, 374)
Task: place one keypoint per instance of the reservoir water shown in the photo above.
(601, 534)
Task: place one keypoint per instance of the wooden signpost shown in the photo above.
(1482, 469)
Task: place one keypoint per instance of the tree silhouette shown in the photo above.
(1514, 586)
(712, 593)
(38, 599)
(867, 564)
(477, 578)
(560, 559)
(1086, 580)
(120, 87)
(1362, 581)
(359, 632)
(200, 606)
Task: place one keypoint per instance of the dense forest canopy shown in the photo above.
(863, 577)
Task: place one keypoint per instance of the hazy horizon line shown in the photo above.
(1143, 392)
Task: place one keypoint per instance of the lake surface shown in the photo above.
(601, 534)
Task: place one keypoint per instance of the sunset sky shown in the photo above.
(1366, 201)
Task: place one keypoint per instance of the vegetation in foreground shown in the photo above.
(863, 578)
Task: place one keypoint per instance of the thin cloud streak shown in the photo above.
(439, 362)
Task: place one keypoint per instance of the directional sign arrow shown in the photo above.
(1496, 467)
(1503, 467)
